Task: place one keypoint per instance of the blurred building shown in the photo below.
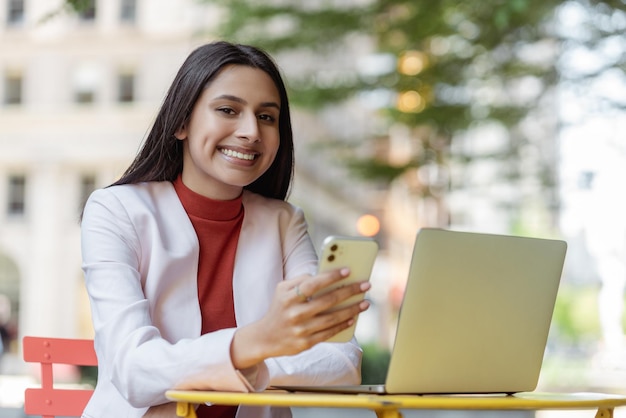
(77, 94)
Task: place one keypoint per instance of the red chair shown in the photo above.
(49, 401)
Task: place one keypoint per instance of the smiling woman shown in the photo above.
(195, 264)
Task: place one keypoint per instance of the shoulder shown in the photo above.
(147, 208)
(145, 194)
(138, 190)
(133, 201)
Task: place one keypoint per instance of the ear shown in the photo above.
(181, 133)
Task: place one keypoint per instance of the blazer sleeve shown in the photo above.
(132, 353)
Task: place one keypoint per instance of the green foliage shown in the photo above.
(69, 6)
(281, 25)
(79, 5)
(374, 365)
(88, 375)
(372, 169)
(307, 95)
(576, 315)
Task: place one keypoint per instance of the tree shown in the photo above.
(461, 69)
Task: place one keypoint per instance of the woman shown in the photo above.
(198, 271)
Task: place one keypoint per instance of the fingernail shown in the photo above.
(344, 271)
(365, 286)
(364, 305)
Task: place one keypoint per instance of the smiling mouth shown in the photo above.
(237, 154)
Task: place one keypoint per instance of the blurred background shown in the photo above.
(501, 116)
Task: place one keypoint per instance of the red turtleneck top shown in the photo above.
(217, 224)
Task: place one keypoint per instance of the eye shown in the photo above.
(226, 110)
(268, 118)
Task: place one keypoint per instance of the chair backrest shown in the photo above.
(49, 401)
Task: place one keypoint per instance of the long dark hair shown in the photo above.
(161, 155)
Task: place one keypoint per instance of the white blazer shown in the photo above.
(140, 258)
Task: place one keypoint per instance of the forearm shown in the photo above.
(249, 347)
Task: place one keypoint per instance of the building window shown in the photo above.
(84, 96)
(15, 12)
(87, 10)
(128, 11)
(17, 195)
(87, 186)
(126, 88)
(87, 78)
(13, 89)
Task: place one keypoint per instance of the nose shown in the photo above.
(248, 128)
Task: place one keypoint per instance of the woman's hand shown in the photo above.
(296, 321)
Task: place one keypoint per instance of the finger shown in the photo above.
(334, 322)
(304, 287)
(340, 295)
(328, 333)
(321, 281)
(331, 319)
(300, 295)
(293, 288)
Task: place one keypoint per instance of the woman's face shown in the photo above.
(232, 135)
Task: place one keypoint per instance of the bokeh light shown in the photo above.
(368, 225)
(412, 62)
(411, 102)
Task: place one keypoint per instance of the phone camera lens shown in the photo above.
(334, 247)
(331, 258)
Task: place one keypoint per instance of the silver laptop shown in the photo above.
(475, 315)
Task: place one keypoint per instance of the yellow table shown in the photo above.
(388, 406)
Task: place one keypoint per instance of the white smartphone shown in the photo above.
(356, 253)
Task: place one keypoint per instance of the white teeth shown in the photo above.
(237, 154)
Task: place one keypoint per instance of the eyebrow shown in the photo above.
(242, 101)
